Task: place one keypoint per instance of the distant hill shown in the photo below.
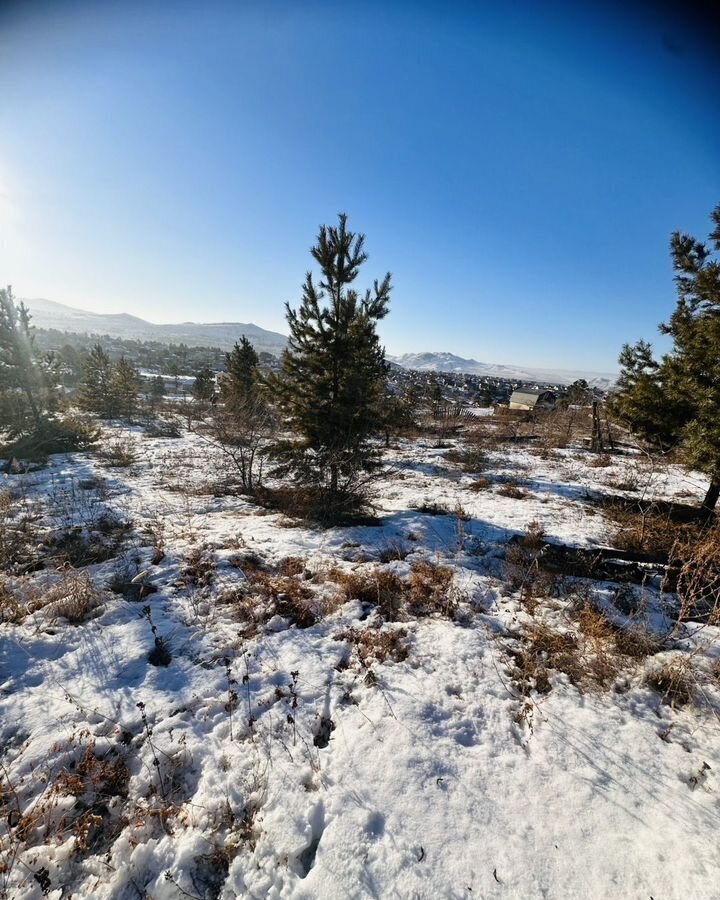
(448, 362)
(48, 314)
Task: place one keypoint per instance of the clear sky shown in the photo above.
(518, 171)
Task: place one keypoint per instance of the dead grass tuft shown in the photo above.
(673, 681)
(374, 585)
(512, 490)
(372, 645)
(431, 590)
(524, 570)
(73, 598)
(479, 484)
(291, 565)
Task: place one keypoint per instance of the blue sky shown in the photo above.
(518, 171)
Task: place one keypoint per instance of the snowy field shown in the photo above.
(302, 743)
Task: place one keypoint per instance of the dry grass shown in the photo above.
(470, 458)
(291, 565)
(650, 526)
(199, 568)
(374, 585)
(373, 645)
(600, 461)
(479, 484)
(524, 570)
(431, 589)
(698, 576)
(674, 682)
(267, 595)
(591, 653)
(512, 490)
(96, 781)
(11, 608)
(73, 597)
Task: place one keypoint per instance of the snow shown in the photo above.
(438, 778)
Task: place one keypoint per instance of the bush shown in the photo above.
(470, 458)
(163, 428)
(118, 455)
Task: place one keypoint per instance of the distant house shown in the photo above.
(532, 397)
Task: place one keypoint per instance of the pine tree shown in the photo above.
(20, 373)
(157, 389)
(579, 393)
(203, 389)
(676, 403)
(240, 380)
(98, 388)
(125, 387)
(333, 371)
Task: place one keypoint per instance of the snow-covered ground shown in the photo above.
(355, 757)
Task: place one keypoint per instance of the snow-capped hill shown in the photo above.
(449, 362)
(48, 314)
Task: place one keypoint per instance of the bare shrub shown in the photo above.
(163, 428)
(394, 550)
(600, 461)
(650, 526)
(269, 595)
(80, 799)
(11, 609)
(432, 507)
(543, 649)
(199, 568)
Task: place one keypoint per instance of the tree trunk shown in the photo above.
(333, 479)
(33, 405)
(711, 498)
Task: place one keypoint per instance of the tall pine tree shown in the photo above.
(125, 387)
(203, 389)
(239, 381)
(20, 372)
(332, 373)
(676, 403)
(98, 389)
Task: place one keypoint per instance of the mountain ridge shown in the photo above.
(433, 361)
(50, 314)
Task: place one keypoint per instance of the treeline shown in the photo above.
(69, 351)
